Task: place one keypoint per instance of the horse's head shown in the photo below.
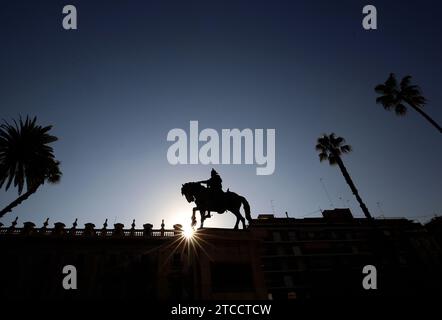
(188, 190)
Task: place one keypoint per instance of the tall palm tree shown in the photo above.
(331, 148)
(393, 96)
(26, 158)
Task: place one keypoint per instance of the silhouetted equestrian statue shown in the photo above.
(214, 199)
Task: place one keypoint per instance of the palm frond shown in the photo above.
(25, 154)
(319, 147)
(400, 109)
(394, 97)
(323, 156)
(331, 147)
(346, 148)
(391, 82)
(381, 89)
(405, 82)
(332, 161)
(386, 101)
(418, 101)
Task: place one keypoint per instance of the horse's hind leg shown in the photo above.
(239, 218)
(243, 221)
(236, 224)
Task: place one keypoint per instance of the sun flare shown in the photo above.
(188, 232)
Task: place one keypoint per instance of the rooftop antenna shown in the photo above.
(273, 207)
(345, 202)
(326, 192)
(380, 209)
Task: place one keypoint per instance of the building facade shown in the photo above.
(325, 257)
(154, 264)
(274, 258)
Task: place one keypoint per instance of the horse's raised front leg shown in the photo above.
(193, 216)
(203, 217)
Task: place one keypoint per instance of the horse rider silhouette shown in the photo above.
(214, 184)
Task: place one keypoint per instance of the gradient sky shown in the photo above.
(136, 69)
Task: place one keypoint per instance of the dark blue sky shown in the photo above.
(136, 69)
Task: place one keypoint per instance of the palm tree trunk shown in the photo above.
(353, 187)
(17, 201)
(426, 116)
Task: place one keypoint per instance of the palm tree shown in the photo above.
(26, 158)
(393, 96)
(331, 148)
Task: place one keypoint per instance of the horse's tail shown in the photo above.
(246, 205)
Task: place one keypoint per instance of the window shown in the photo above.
(402, 260)
(292, 235)
(296, 250)
(288, 281)
(270, 251)
(302, 265)
(302, 235)
(276, 236)
(231, 277)
(292, 264)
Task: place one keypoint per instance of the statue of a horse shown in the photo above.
(207, 201)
